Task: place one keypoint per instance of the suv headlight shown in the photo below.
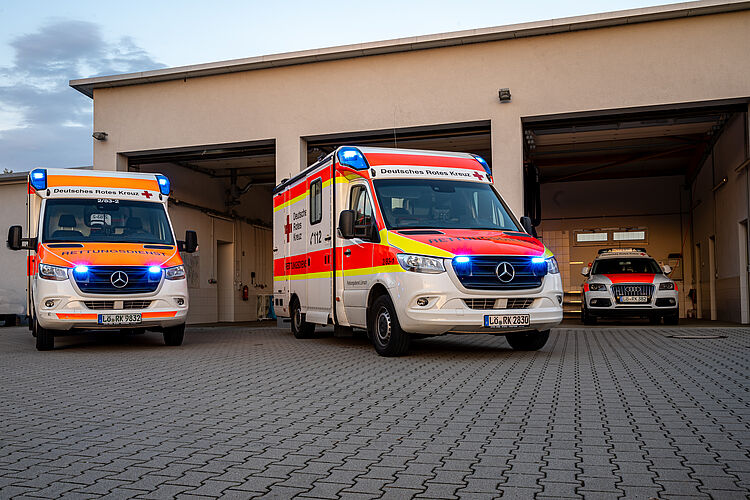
(175, 273)
(421, 263)
(667, 285)
(597, 287)
(552, 267)
(56, 273)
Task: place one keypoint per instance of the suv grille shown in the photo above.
(632, 290)
(99, 280)
(481, 273)
(513, 303)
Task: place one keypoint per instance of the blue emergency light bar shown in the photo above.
(38, 179)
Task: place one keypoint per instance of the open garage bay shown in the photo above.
(613, 412)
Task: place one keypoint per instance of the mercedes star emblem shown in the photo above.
(505, 272)
(118, 279)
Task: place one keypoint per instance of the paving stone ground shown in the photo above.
(242, 412)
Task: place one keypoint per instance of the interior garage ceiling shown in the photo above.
(665, 142)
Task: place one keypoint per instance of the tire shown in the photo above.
(174, 335)
(300, 328)
(672, 319)
(654, 320)
(587, 318)
(385, 331)
(528, 341)
(45, 339)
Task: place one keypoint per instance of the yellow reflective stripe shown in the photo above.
(298, 198)
(308, 276)
(408, 245)
(373, 270)
(547, 253)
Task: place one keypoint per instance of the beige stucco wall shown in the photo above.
(683, 60)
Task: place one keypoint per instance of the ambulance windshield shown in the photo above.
(441, 204)
(105, 220)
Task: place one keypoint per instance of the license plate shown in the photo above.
(120, 319)
(506, 320)
(634, 299)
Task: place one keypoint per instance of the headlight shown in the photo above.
(421, 263)
(597, 287)
(668, 285)
(56, 273)
(552, 266)
(175, 273)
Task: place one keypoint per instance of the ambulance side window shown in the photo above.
(316, 201)
(360, 204)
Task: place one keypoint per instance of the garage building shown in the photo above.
(621, 129)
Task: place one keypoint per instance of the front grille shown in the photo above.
(136, 304)
(513, 303)
(99, 280)
(480, 303)
(111, 304)
(480, 273)
(99, 304)
(524, 303)
(630, 290)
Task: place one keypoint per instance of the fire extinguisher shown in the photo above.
(245, 292)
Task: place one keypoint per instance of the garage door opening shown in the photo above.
(619, 179)
(224, 193)
(469, 137)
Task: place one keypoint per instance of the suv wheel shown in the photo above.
(672, 319)
(385, 331)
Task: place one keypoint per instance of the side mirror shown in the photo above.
(585, 270)
(666, 268)
(191, 241)
(346, 224)
(528, 226)
(15, 240)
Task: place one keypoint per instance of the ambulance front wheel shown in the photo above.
(45, 338)
(528, 341)
(300, 328)
(385, 331)
(174, 335)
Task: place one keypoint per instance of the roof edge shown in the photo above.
(522, 30)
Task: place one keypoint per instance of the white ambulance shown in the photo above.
(409, 243)
(102, 255)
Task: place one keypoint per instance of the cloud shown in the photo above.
(45, 122)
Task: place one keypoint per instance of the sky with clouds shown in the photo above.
(46, 43)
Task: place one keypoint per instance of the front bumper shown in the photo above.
(69, 309)
(446, 310)
(604, 303)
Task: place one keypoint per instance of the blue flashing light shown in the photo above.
(352, 157)
(461, 260)
(164, 184)
(81, 269)
(538, 260)
(38, 179)
(484, 164)
(154, 270)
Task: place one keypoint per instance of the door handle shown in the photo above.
(327, 238)
(347, 252)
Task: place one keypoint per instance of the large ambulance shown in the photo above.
(102, 255)
(407, 243)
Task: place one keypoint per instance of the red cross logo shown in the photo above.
(479, 176)
(147, 195)
(287, 228)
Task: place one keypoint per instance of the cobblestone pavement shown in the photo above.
(240, 412)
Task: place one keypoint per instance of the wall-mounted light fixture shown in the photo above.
(99, 136)
(504, 95)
